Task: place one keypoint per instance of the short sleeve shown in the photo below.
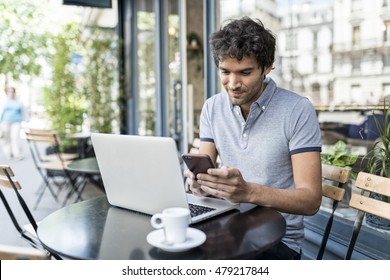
(305, 130)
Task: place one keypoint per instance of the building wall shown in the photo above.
(336, 51)
(361, 76)
(305, 45)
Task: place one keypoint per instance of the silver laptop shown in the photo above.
(143, 173)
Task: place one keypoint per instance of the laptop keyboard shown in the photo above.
(197, 210)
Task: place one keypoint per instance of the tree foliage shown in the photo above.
(22, 40)
(63, 102)
(81, 61)
(100, 75)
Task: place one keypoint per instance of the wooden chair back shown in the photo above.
(21, 253)
(338, 176)
(369, 184)
(194, 149)
(50, 138)
(6, 171)
(374, 184)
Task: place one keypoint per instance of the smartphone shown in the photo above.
(198, 163)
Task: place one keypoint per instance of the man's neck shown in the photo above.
(245, 109)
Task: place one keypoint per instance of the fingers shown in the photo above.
(223, 175)
(197, 190)
(223, 172)
(192, 184)
(217, 191)
(187, 173)
(225, 183)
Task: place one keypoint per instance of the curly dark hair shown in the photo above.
(241, 38)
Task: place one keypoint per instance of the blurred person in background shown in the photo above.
(11, 116)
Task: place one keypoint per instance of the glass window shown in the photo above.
(385, 89)
(386, 60)
(386, 31)
(356, 63)
(356, 94)
(174, 62)
(355, 35)
(146, 76)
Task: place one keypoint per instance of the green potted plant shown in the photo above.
(378, 161)
(340, 154)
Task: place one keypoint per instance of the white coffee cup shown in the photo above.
(175, 223)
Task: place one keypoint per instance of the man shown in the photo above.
(267, 138)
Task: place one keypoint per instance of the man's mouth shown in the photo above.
(236, 93)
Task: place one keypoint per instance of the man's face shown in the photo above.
(242, 80)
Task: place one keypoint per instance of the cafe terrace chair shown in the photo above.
(333, 180)
(8, 181)
(52, 156)
(8, 252)
(369, 184)
(194, 149)
(53, 168)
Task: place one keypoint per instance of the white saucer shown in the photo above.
(195, 238)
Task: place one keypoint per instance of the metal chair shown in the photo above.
(340, 176)
(368, 183)
(53, 156)
(51, 168)
(8, 180)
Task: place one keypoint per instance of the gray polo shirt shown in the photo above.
(280, 123)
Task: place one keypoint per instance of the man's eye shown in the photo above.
(246, 73)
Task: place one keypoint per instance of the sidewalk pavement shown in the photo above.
(30, 181)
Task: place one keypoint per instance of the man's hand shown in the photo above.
(225, 182)
(193, 185)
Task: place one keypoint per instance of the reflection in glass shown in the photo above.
(146, 74)
(174, 62)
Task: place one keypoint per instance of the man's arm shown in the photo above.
(208, 148)
(303, 199)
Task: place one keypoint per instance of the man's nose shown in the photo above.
(234, 82)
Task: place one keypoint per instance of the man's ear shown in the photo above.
(268, 70)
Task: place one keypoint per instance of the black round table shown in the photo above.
(94, 229)
(88, 171)
(84, 165)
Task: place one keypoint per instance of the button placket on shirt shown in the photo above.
(244, 134)
(237, 110)
(245, 125)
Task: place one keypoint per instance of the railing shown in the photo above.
(340, 108)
